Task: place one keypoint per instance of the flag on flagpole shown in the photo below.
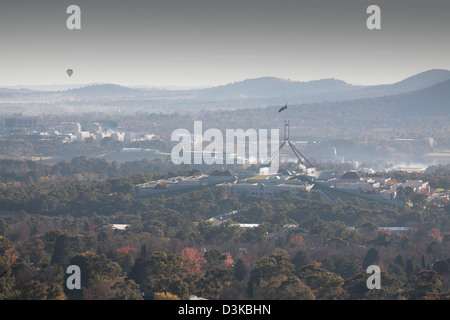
(282, 108)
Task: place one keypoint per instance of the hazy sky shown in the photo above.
(210, 42)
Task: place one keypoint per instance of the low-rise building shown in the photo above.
(93, 127)
(83, 135)
(69, 127)
(176, 183)
(220, 176)
(418, 186)
(20, 121)
(269, 189)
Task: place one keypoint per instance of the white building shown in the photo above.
(131, 136)
(102, 135)
(118, 136)
(83, 135)
(388, 194)
(67, 137)
(418, 186)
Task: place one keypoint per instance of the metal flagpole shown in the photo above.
(287, 122)
(286, 111)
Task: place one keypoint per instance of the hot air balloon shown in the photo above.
(69, 72)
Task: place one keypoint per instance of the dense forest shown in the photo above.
(301, 248)
(79, 168)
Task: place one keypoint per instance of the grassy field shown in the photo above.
(260, 177)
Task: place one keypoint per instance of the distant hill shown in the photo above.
(105, 90)
(11, 90)
(434, 100)
(430, 101)
(413, 83)
(267, 87)
(47, 88)
(274, 90)
(316, 90)
(250, 93)
(423, 112)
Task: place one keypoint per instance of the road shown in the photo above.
(217, 220)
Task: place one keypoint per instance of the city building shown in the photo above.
(93, 127)
(83, 135)
(69, 127)
(418, 186)
(20, 121)
(271, 187)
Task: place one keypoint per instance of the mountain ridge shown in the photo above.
(263, 91)
(257, 87)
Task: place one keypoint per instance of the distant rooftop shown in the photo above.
(350, 175)
(218, 173)
(119, 226)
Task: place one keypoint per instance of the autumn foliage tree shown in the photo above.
(123, 251)
(435, 234)
(193, 261)
(296, 241)
(165, 296)
(11, 256)
(125, 256)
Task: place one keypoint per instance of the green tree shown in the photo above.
(423, 265)
(126, 290)
(34, 290)
(36, 251)
(55, 291)
(240, 270)
(7, 280)
(391, 287)
(399, 261)
(346, 268)
(213, 282)
(98, 274)
(62, 250)
(269, 268)
(214, 258)
(301, 259)
(409, 268)
(424, 283)
(292, 288)
(174, 285)
(140, 271)
(397, 270)
(157, 265)
(442, 267)
(324, 285)
(372, 257)
(3, 227)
